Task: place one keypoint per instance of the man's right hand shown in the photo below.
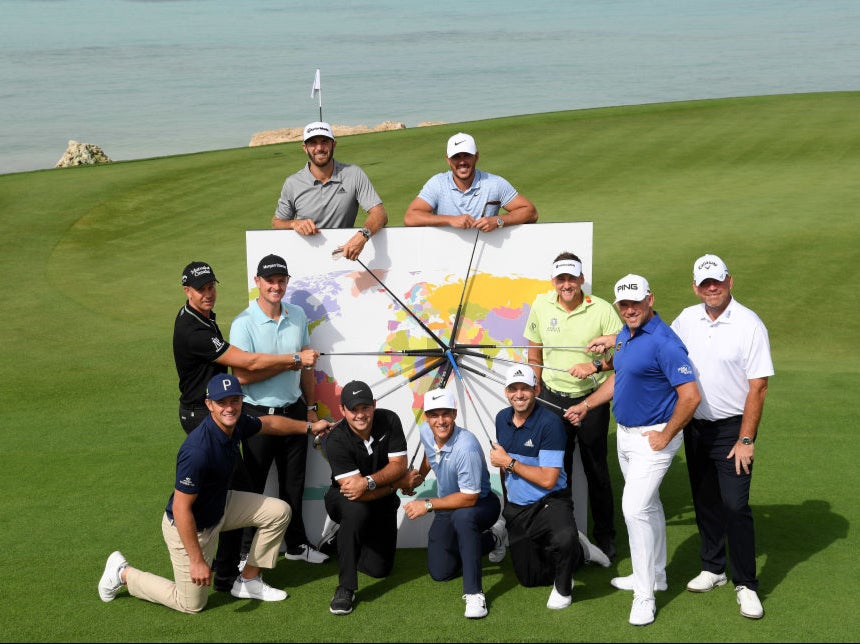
(305, 227)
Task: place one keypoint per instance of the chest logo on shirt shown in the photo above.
(218, 344)
(528, 443)
(553, 326)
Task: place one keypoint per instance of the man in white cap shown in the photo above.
(465, 506)
(655, 394)
(465, 197)
(565, 319)
(730, 350)
(202, 505)
(546, 547)
(326, 194)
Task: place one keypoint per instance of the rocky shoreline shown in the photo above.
(288, 134)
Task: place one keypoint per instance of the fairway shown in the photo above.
(91, 264)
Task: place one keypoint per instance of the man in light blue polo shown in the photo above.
(272, 326)
(465, 197)
(466, 507)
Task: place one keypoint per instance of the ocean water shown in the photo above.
(145, 78)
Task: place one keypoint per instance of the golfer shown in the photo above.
(201, 506)
(465, 197)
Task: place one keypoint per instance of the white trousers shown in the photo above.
(643, 471)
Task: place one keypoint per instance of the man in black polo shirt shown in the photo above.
(367, 454)
(200, 352)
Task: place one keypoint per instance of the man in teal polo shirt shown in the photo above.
(270, 325)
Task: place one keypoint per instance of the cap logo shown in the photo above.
(355, 393)
(226, 383)
(626, 287)
(200, 270)
(317, 129)
(708, 263)
(267, 266)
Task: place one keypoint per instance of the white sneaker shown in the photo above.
(111, 581)
(592, 553)
(705, 581)
(476, 606)
(256, 588)
(330, 528)
(749, 602)
(557, 601)
(626, 583)
(307, 553)
(500, 534)
(643, 610)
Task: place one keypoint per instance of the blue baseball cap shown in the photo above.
(222, 386)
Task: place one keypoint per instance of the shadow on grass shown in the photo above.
(786, 535)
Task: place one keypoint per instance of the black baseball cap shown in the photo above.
(356, 393)
(196, 274)
(272, 265)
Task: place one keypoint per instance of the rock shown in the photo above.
(82, 154)
(284, 135)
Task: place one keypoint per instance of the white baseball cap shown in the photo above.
(439, 399)
(461, 143)
(567, 267)
(317, 128)
(631, 287)
(520, 373)
(709, 267)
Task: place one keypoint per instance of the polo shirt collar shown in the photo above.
(197, 314)
(260, 317)
(724, 318)
(473, 189)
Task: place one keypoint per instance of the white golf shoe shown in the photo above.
(476, 606)
(705, 581)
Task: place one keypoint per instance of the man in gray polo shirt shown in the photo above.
(326, 194)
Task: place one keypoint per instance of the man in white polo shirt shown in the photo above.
(730, 351)
(465, 197)
(326, 194)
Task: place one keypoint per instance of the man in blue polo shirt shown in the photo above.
(655, 393)
(202, 505)
(546, 547)
(465, 197)
(466, 507)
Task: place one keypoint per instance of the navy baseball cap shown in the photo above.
(222, 386)
(196, 274)
(356, 393)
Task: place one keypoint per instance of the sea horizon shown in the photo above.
(151, 78)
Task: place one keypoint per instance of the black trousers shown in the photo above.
(544, 541)
(367, 539)
(721, 499)
(289, 453)
(593, 449)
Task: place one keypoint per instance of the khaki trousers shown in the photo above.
(244, 509)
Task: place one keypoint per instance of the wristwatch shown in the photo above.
(428, 505)
(746, 440)
(366, 232)
(297, 359)
(313, 407)
(500, 222)
(371, 484)
(310, 427)
(510, 466)
(598, 364)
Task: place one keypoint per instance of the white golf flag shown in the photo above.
(316, 88)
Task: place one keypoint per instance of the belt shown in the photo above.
(562, 394)
(715, 423)
(264, 411)
(659, 427)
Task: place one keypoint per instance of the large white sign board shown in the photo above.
(403, 295)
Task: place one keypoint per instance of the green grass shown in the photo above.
(90, 264)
